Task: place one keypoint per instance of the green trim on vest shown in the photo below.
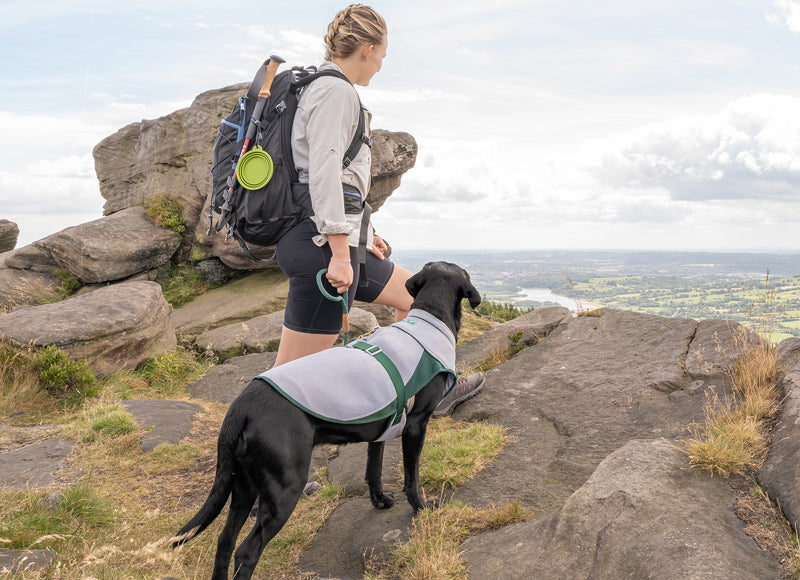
(394, 374)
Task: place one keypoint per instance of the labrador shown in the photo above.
(265, 442)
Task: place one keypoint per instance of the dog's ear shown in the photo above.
(416, 282)
(471, 293)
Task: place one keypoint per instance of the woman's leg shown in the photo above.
(298, 344)
(394, 294)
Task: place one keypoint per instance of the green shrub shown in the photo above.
(166, 212)
(181, 284)
(61, 375)
(500, 312)
(69, 283)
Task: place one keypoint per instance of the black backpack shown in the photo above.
(263, 215)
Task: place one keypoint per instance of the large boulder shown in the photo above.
(255, 294)
(172, 156)
(642, 514)
(114, 328)
(24, 287)
(263, 334)
(9, 232)
(779, 475)
(112, 247)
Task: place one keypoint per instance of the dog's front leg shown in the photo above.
(413, 440)
(378, 498)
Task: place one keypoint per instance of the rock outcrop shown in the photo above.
(172, 156)
(643, 513)
(9, 232)
(114, 328)
(103, 250)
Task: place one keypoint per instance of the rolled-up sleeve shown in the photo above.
(329, 128)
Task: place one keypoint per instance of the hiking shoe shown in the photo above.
(465, 388)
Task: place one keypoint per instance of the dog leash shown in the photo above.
(343, 298)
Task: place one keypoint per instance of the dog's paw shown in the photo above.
(420, 505)
(383, 501)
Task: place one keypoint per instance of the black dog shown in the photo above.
(265, 442)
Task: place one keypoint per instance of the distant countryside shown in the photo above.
(761, 291)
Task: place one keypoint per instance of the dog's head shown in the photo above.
(439, 288)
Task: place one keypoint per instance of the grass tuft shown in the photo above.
(735, 434)
(455, 452)
(432, 552)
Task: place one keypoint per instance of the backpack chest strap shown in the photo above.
(397, 381)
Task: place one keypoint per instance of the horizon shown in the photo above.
(664, 126)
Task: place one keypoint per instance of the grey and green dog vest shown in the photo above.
(372, 378)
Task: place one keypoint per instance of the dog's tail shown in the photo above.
(230, 437)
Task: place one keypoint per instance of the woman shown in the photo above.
(327, 117)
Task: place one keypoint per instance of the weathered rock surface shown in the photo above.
(224, 382)
(22, 288)
(779, 475)
(263, 333)
(112, 247)
(365, 533)
(643, 513)
(524, 330)
(116, 327)
(9, 232)
(254, 295)
(34, 465)
(171, 421)
(18, 561)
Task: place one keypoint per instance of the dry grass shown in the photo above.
(432, 551)
(734, 436)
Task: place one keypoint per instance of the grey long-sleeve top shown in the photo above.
(325, 122)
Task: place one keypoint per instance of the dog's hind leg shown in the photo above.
(276, 503)
(377, 496)
(242, 497)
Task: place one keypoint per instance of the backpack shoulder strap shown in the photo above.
(360, 138)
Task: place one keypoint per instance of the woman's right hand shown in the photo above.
(340, 274)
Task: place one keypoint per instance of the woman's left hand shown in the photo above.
(379, 247)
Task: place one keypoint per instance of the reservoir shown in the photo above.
(545, 295)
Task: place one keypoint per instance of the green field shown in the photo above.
(770, 305)
(757, 289)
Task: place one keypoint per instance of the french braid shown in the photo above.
(352, 27)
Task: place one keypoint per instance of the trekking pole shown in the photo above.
(343, 298)
(273, 62)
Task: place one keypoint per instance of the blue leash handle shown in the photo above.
(343, 298)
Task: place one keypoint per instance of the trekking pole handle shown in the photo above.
(272, 68)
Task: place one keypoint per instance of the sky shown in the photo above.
(541, 124)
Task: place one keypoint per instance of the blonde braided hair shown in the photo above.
(352, 27)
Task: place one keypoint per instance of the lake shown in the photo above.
(545, 295)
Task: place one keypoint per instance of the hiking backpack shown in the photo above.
(262, 216)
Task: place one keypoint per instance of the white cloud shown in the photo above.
(749, 150)
(788, 14)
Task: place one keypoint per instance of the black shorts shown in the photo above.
(307, 310)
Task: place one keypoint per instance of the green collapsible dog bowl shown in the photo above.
(254, 169)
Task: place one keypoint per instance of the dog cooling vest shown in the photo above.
(372, 378)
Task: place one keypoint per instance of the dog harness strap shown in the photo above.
(376, 352)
